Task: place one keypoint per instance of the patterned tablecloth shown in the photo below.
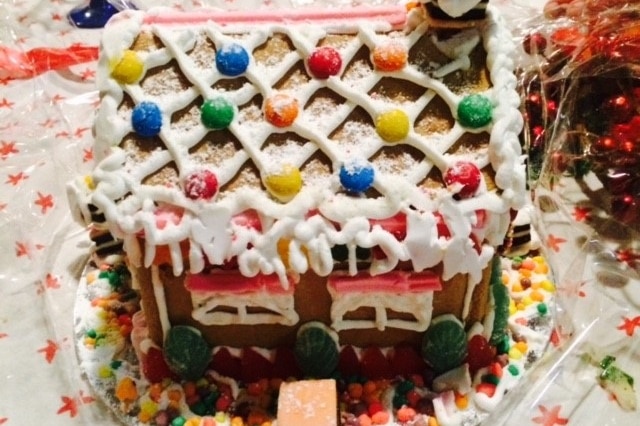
(46, 140)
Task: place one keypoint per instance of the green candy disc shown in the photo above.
(217, 113)
(500, 298)
(316, 350)
(475, 111)
(186, 352)
(444, 344)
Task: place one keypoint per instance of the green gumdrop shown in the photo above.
(500, 298)
(444, 344)
(217, 113)
(475, 111)
(316, 350)
(186, 352)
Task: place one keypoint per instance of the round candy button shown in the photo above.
(324, 62)
(232, 60)
(357, 176)
(475, 111)
(393, 126)
(391, 56)
(217, 113)
(285, 184)
(129, 69)
(146, 119)
(281, 110)
(201, 184)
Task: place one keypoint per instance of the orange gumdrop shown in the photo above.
(281, 110)
(391, 56)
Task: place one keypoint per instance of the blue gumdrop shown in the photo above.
(357, 176)
(146, 119)
(232, 60)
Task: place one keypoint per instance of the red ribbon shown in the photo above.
(15, 64)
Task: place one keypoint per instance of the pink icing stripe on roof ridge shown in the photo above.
(395, 15)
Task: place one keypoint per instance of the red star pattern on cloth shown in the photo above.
(70, 404)
(580, 213)
(45, 201)
(25, 250)
(554, 242)
(5, 103)
(629, 325)
(79, 132)
(50, 282)
(16, 179)
(62, 134)
(87, 155)
(7, 148)
(48, 123)
(88, 74)
(49, 350)
(57, 98)
(550, 417)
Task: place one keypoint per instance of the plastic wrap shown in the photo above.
(580, 83)
(45, 141)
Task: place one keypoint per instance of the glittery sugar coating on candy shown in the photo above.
(129, 69)
(146, 119)
(217, 113)
(281, 109)
(464, 174)
(284, 184)
(393, 126)
(357, 176)
(232, 60)
(324, 62)
(391, 56)
(201, 184)
(475, 111)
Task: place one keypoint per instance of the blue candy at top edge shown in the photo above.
(232, 60)
(146, 119)
(357, 177)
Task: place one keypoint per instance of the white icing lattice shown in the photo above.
(131, 206)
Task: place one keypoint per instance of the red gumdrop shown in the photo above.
(406, 361)
(465, 174)
(348, 362)
(202, 184)
(226, 364)
(255, 366)
(285, 365)
(154, 366)
(324, 62)
(479, 353)
(375, 365)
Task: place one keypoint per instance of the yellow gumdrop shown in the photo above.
(129, 69)
(393, 126)
(284, 185)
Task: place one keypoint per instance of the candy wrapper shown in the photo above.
(581, 101)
